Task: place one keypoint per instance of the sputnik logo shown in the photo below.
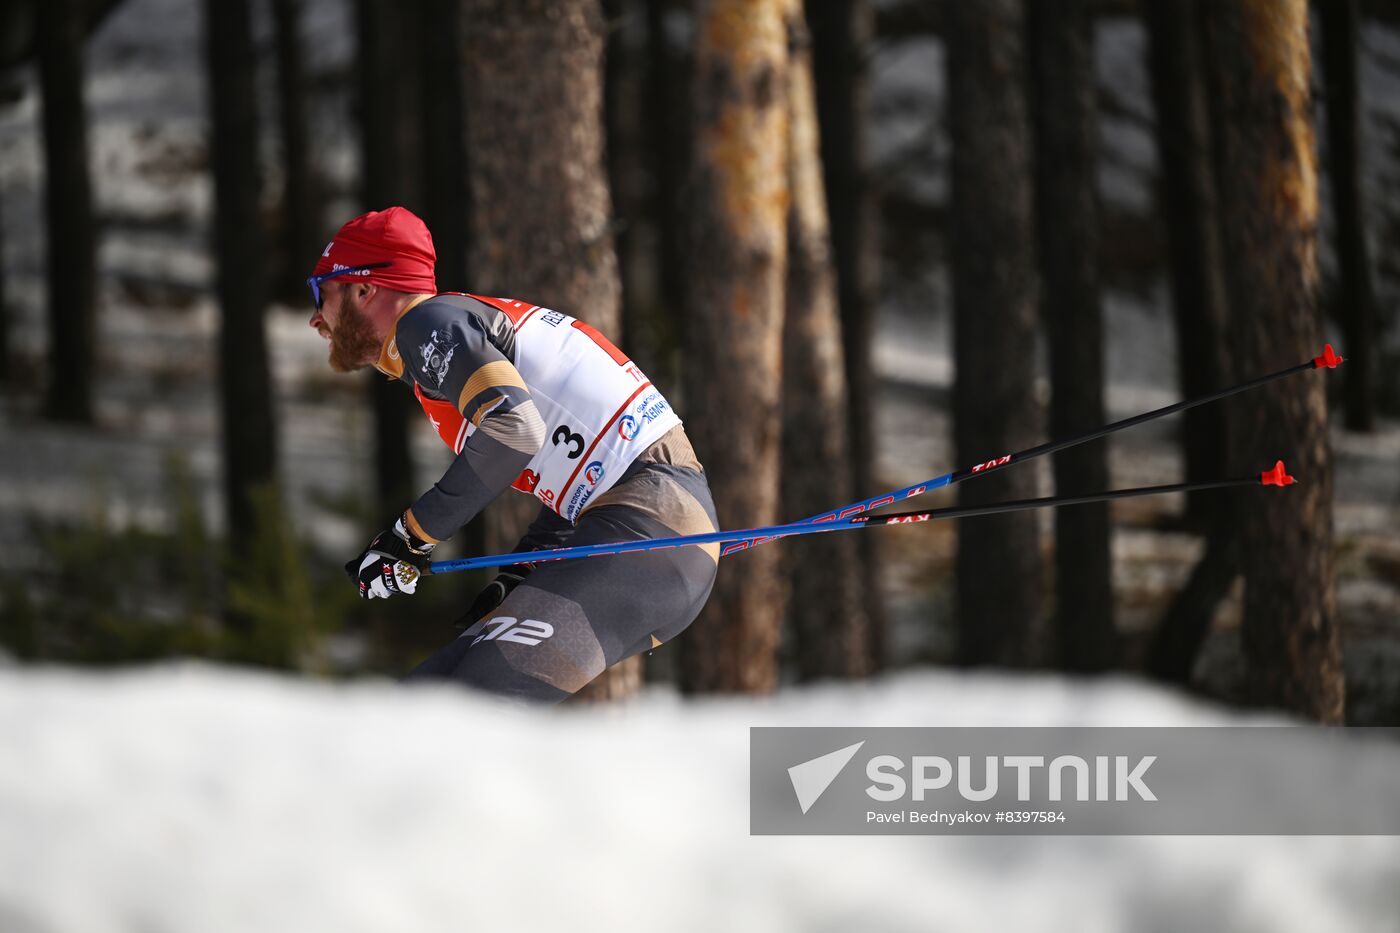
(811, 778)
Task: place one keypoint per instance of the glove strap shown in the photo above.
(416, 545)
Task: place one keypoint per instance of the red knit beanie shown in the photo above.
(395, 235)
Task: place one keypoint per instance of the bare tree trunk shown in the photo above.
(301, 201)
(1188, 199)
(1268, 184)
(1355, 300)
(668, 119)
(1176, 644)
(994, 294)
(5, 372)
(841, 44)
(386, 99)
(249, 428)
(734, 364)
(446, 195)
(621, 92)
(1191, 207)
(72, 233)
(825, 612)
(1068, 238)
(534, 100)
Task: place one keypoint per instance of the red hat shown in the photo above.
(396, 235)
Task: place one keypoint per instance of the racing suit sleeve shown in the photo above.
(448, 355)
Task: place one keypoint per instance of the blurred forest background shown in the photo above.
(858, 243)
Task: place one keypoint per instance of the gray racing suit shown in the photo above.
(568, 621)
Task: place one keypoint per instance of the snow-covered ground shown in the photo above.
(190, 798)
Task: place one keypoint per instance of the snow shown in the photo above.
(194, 798)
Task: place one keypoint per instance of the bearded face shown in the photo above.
(353, 343)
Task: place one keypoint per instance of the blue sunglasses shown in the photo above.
(316, 280)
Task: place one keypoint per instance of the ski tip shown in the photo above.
(1329, 358)
(1277, 476)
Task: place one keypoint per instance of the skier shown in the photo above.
(530, 398)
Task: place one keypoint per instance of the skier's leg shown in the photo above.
(569, 621)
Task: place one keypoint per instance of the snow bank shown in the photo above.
(192, 798)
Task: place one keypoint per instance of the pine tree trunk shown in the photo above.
(621, 91)
(1176, 644)
(249, 428)
(1068, 240)
(738, 215)
(825, 611)
(5, 372)
(61, 34)
(1188, 200)
(446, 196)
(301, 202)
(389, 177)
(534, 98)
(668, 123)
(1268, 186)
(994, 290)
(842, 35)
(1191, 207)
(1355, 300)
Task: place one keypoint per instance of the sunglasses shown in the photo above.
(316, 280)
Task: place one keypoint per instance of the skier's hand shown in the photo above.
(391, 564)
(494, 593)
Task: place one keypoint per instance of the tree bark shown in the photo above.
(1354, 298)
(825, 612)
(668, 119)
(72, 233)
(621, 91)
(249, 427)
(1065, 117)
(446, 196)
(994, 292)
(842, 36)
(301, 200)
(1258, 50)
(542, 209)
(738, 215)
(1189, 203)
(5, 372)
(386, 100)
(1176, 644)
(1191, 207)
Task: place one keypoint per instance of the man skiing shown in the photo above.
(529, 398)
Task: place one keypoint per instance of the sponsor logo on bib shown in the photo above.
(578, 500)
(628, 427)
(594, 473)
(654, 407)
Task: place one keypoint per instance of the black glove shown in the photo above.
(391, 564)
(494, 593)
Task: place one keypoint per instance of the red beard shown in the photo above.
(353, 343)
